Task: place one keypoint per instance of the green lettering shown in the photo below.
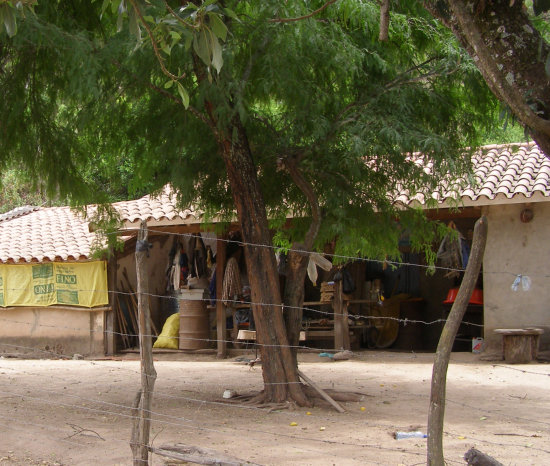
(42, 271)
(67, 297)
(65, 279)
(44, 289)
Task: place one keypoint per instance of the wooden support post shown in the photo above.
(345, 326)
(221, 328)
(111, 323)
(436, 411)
(341, 327)
(144, 399)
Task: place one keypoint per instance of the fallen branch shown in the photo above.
(324, 394)
(476, 458)
(81, 430)
(197, 455)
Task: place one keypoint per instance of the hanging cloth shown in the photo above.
(176, 275)
(450, 252)
(231, 281)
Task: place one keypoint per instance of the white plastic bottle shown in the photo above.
(415, 434)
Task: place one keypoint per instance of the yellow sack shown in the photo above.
(169, 337)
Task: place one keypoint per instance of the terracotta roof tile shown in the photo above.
(32, 234)
(162, 207)
(502, 172)
(44, 234)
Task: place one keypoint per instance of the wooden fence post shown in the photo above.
(221, 333)
(439, 374)
(144, 398)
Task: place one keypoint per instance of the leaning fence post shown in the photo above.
(144, 398)
(439, 374)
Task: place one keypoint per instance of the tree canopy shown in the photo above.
(272, 108)
(508, 41)
(322, 89)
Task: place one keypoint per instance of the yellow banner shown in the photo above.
(67, 283)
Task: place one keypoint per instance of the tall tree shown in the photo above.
(505, 41)
(271, 108)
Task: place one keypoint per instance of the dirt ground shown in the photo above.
(76, 412)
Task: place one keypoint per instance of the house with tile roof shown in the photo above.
(512, 190)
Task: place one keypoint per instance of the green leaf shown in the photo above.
(217, 59)
(104, 6)
(218, 26)
(175, 35)
(119, 22)
(134, 24)
(200, 45)
(230, 13)
(168, 84)
(184, 95)
(9, 21)
(208, 2)
(188, 40)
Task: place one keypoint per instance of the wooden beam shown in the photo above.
(221, 328)
(449, 214)
(110, 318)
(341, 326)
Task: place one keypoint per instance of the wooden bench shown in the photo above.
(520, 345)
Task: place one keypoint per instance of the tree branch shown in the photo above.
(154, 44)
(291, 165)
(384, 20)
(300, 18)
(168, 95)
(464, 25)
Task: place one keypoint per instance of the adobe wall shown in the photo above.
(516, 247)
(47, 331)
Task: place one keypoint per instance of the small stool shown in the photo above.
(520, 345)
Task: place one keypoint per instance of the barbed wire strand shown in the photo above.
(49, 427)
(462, 404)
(206, 429)
(201, 428)
(335, 256)
(451, 401)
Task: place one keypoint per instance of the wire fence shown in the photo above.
(27, 390)
(192, 412)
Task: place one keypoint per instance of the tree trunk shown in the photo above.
(281, 380)
(294, 297)
(439, 375)
(298, 261)
(509, 52)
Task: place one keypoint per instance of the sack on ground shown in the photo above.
(169, 337)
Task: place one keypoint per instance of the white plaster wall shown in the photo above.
(42, 331)
(516, 247)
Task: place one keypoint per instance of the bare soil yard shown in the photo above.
(77, 412)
